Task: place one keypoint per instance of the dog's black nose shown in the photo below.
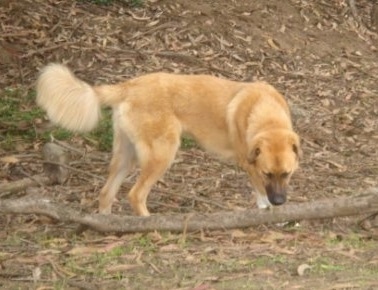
(277, 199)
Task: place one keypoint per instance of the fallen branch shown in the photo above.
(327, 208)
(46, 49)
(24, 183)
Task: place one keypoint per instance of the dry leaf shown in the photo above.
(273, 44)
(90, 250)
(153, 23)
(302, 269)
(9, 159)
(272, 237)
(238, 234)
(37, 274)
(121, 268)
(83, 251)
(170, 248)
(204, 287)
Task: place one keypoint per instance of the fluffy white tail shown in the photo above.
(69, 102)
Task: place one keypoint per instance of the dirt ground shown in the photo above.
(320, 54)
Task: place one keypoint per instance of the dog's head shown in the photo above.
(273, 156)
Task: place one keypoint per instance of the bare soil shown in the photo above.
(319, 54)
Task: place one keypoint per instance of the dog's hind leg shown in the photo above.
(123, 161)
(154, 158)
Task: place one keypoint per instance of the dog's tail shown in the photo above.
(71, 102)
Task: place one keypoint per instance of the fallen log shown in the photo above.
(326, 208)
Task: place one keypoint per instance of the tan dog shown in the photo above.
(245, 122)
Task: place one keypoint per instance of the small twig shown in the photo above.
(18, 34)
(55, 27)
(139, 18)
(357, 67)
(356, 16)
(64, 145)
(369, 217)
(83, 153)
(82, 285)
(19, 66)
(36, 180)
(185, 230)
(75, 169)
(193, 60)
(353, 9)
(196, 198)
(183, 196)
(46, 49)
(24, 183)
(156, 28)
(59, 271)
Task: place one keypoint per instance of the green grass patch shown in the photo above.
(22, 121)
(20, 118)
(351, 240)
(95, 264)
(17, 116)
(188, 143)
(328, 266)
(102, 136)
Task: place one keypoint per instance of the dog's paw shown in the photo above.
(106, 210)
(263, 202)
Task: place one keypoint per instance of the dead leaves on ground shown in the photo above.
(231, 255)
(311, 50)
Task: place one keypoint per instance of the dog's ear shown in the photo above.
(297, 149)
(252, 157)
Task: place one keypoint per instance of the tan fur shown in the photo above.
(248, 123)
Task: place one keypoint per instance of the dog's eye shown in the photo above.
(268, 175)
(285, 175)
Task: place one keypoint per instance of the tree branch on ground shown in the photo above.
(22, 184)
(326, 208)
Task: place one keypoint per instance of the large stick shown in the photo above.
(326, 208)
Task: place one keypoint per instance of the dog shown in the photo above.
(245, 122)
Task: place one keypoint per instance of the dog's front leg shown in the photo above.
(262, 201)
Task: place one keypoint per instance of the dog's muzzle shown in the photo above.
(276, 193)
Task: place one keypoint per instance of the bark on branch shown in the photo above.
(327, 208)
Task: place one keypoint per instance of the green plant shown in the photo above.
(102, 136)
(187, 143)
(18, 114)
(20, 119)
